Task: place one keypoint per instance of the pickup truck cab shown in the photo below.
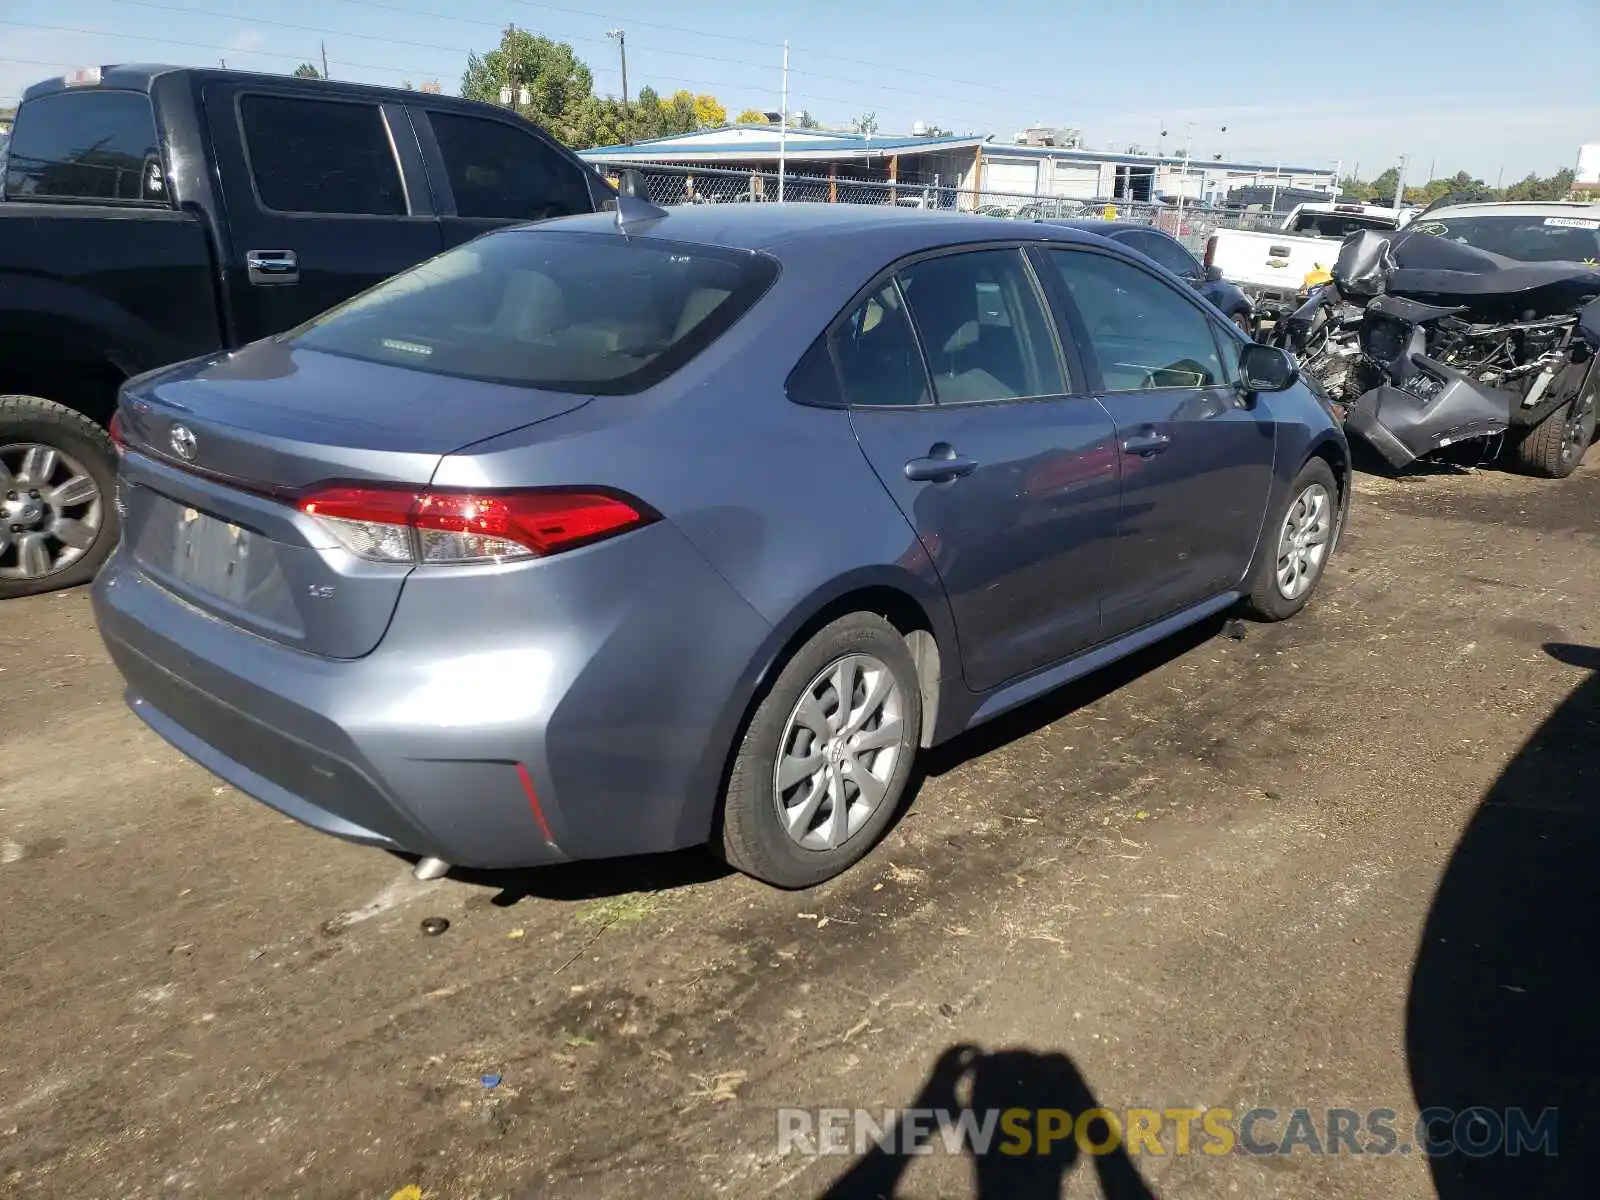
(1271, 267)
(156, 214)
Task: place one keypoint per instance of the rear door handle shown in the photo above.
(272, 268)
(941, 465)
(1147, 444)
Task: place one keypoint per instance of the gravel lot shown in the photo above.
(1348, 860)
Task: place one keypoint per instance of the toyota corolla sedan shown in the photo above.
(587, 539)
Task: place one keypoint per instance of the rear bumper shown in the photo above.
(535, 714)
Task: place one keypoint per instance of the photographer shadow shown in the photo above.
(993, 1083)
(1501, 1013)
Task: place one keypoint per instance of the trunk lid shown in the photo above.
(219, 449)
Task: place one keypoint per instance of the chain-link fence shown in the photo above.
(671, 185)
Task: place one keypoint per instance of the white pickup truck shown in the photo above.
(1271, 267)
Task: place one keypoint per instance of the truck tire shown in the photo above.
(58, 515)
(1554, 447)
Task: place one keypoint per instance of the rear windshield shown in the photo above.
(1525, 238)
(572, 312)
(1337, 225)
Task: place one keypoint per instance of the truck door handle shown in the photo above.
(941, 465)
(272, 268)
(1147, 444)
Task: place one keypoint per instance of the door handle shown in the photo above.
(272, 268)
(941, 465)
(1147, 444)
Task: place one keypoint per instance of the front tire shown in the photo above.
(58, 517)
(1554, 447)
(826, 757)
(1296, 545)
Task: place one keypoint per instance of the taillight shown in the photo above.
(114, 431)
(402, 525)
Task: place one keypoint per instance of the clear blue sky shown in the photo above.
(1481, 85)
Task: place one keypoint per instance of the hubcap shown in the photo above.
(838, 752)
(1303, 543)
(50, 511)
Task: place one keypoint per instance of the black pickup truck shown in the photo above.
(154, 214)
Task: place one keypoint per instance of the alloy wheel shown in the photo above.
(50, 511)
(1303, 542)
(838, 752)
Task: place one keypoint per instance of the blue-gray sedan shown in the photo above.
(583, 540)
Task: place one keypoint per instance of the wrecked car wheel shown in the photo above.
(1296, 545)
(1555, 446)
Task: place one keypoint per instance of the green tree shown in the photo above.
(680, 113)
(307, 71)
(1534, 187)
(647, 119)
(866, 123)
(806, 121)
(557, 83)
(603, 121)
(1383, 186)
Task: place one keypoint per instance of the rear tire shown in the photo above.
(835, 800)
(1288, 567)
(1554, 448)
(58, 529)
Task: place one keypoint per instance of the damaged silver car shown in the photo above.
(1476, 323)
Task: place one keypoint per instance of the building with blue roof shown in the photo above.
(988, 171)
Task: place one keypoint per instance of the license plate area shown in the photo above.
(212, 555)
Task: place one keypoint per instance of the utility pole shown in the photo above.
(783, 123)
(325, 74)
(622, 48)
(1183, 181)
(1400, 183)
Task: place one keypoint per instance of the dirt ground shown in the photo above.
(1345, 861)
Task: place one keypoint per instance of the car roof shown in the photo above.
(796, 227)
(1524, 208)
(1105, 228)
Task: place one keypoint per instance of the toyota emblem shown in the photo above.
(183, 442)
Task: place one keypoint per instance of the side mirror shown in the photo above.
(631, 183)
(1213, 274)
(1266, 368)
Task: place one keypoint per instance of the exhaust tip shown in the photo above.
(430, 868)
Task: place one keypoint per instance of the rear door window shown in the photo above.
(551, 309)
(982, 326)
(331, 157)
(498, 170)
(91, 147)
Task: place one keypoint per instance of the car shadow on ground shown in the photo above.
(968, 1083)
(1502, 1009)
(683, 868)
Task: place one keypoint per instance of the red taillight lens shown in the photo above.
(401, 525)
(114, 431)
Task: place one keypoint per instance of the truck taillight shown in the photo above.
(403, 525)
(114, 432)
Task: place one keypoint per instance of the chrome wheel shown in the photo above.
(50, 511)
(838, 752)
(1303, 542)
